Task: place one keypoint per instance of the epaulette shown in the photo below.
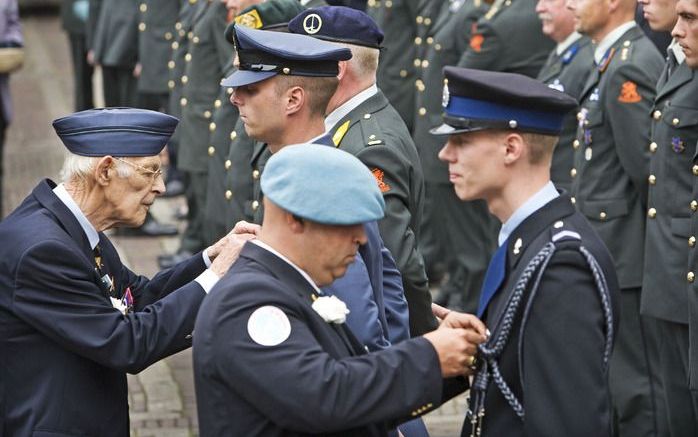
(497, 7)
(370, 130)
(560, 232)
(626, 50)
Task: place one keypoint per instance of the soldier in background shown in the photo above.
(670, 237)
(74, 15)
(466, 249)
(565, 70)
(609, 186)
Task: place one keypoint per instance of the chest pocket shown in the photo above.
(603, 210)
(594, 116)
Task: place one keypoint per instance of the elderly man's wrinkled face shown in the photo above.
(557, 20)
(131, 197)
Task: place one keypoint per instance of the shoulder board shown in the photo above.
(561, 232)
(371, 130)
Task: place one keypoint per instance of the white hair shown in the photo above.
(81, 167)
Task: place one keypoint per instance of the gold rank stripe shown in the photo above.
(339, 133)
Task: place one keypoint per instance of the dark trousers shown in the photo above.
(120, 87)
(681, 403)
(636, 389)
(464, 235)
(82, 72)
(193, 238)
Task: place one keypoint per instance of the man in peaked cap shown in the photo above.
(270, 337)
(550, 284)
(362, 122)
(74, 318)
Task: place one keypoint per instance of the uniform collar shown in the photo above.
(678, 51)
(533, 204)
(67, 199)
(605, 44)
(564, 45)
(335, 116)
(268, 248)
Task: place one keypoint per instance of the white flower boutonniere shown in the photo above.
(331, 309)
(119, 305)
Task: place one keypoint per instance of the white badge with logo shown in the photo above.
(268, 326)
(312, 24)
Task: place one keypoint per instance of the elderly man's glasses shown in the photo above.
(152, 174)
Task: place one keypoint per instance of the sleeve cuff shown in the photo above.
(207, 260)
(207, 280)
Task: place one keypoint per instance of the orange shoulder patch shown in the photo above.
(628, 93)
(379, 174)
(476, 42)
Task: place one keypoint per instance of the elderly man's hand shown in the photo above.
(456, 342)
(241, 228)
(229, 250)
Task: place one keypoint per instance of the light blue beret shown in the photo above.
(322, 184)
(115, 131)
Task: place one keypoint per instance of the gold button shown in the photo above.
(255, 174)
(575, 144)
(690, 276)
(171, 64)
(419, 84)
(168, 35)
(602, 215)
(651, 213)
(228, 163)
(255, 205)
(211, 150)
(652, 179)
(691, 241)
(626, 43)
(190, 34)
(573, 200)
(286, 70)
(388, 4)
(207, 114)
(657, 114)
(183, 101)
(143, 7)
(181, 33)
(187, 57)
(695, 170)
(586, 122)
(185, 79)
(178, 25)
(580, 115)
(653, 147)
(195, 40)
(694, 205)
(212, 126)
(228, 194)
(403, 73)
(425, 63)
(430, 40)
(420, 19)
(422, 111)
(171, 84)
(427, 21)
(233, 135)
(229, 90)
(675, 121)
(417, 62)
(141, 27)
(418, 40)
(175, 45)
(573, 172)
(192, 1)
(437, 47)
(217, 103)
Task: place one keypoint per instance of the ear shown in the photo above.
(343, 68)
(296, 225)
(104, 171)
(514, 148)
(296, 100)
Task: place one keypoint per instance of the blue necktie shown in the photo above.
(493, 278)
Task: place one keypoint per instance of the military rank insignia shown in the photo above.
(557, 85)
(476, 42)
(677, 145)
(628, 93)
(251, 19)
(379, 175)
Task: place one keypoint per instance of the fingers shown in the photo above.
(439, 311)
(455, 319)
(243, 227)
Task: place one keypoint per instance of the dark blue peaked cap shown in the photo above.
(477, 100)
(115, 131)
(339, 24)
(263, 54)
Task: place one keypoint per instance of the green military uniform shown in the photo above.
(156, 30)
(258, 160)
(463, 234)
(609, 186)
(115, 45)
(239, 176)
(567, 71)
(398, 19)
(375, 133)
(74, 15)
(205, 61)
(508, 38)
(669, 266)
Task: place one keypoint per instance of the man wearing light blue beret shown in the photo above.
(273, 355)
(73, 318)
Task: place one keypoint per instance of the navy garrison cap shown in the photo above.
(477, 99)
(338, 24)
(268, 15)
(264, 54)
(322, 184)
(115, 131)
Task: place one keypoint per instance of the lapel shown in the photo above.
(257, 150)
(45, 196)
(552, 67)
(299, 287)
(369, 106)
(198, 13)
(682, 75)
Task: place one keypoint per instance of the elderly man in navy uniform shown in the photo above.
(270, 337)
(362, 122)
(551, 283)
(74, 318)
